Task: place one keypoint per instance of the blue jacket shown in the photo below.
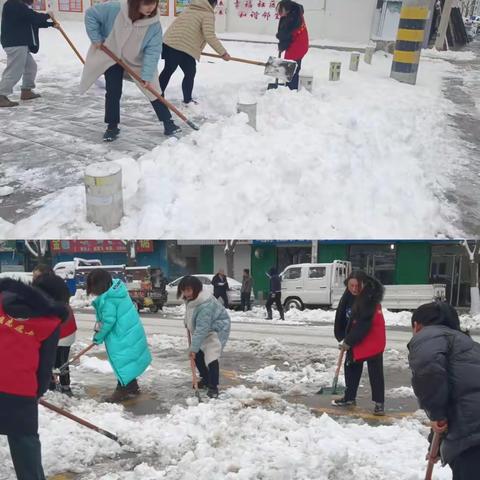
(123, 333)
(209, 316)
(99, 22)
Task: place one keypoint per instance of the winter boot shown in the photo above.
(212, 392)
(66, 390)
(111, 134)
(342, 402)
(202, 384)
(5, 102)
(119, 395)
(29, 94)
(132, 388)
(170, 128)
(379, 409)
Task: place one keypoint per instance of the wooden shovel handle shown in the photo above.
(432, 454)
(236, 59)
(76, 357)
(192, 363)
(72, 46)
(137, 77)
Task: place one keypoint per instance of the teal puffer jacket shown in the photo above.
(123, 333)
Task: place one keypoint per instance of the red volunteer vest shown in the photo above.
(20, 342)
(375, 341)
(70, 326)
(299, 46)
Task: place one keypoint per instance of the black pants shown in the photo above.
(353, 373)
(61, 358)
(26, 456)
(174, 59)
(293, 83)
(113, 85)
(211, 374)
(277, 300)
(467, 465)
(223, 296)
(245, 301)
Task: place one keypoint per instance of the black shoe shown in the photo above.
(111, 134)
(341, 402)
(212, 392)
(171, 128)
(132, 388)
(379, 409)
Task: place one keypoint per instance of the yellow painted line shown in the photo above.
(231, 374)
(414, 13)
(61, 476)
(406, 57)
(356, 413)
(410, 35)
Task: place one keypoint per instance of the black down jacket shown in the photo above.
(445, 366)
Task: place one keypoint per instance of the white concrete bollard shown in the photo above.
(103, 188)
(354, 62)
(335, 70)
(369, 51)
(306, 82)
(250, 109)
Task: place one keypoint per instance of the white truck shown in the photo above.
(322, 285)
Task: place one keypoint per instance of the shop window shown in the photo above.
(70, 6)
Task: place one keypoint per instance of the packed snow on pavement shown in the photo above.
(295, 176)
(251, 432)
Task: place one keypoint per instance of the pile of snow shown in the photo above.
(167, 342)
(232, 438)
(400, 392)
(294, 380)
(81, 300)
(95, 364)
(309, 155)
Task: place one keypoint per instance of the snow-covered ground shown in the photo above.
(386, 144)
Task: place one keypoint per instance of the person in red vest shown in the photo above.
(29, 330)
(360, 326)
(56, 288)
(292, 35)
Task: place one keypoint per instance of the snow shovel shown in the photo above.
(335, 389)
(274, 67)
(194, 370)
(432, 455)
(89, 425)
(63, 367)
(136, 77)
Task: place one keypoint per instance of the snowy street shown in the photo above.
(400, 143)
(268, 423)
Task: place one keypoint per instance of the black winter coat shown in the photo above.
(354, 315)
(18, 414)
(220, 285)
(445, 366)
(20, 25)
(287, 25)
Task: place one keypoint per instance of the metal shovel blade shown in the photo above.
(331, 391)
(280, 68)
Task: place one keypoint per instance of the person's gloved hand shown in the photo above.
(344, 346)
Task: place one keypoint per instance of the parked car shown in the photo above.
(234, 297)
(322, 285)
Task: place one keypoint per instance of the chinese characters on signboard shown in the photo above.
(97, 246)
(257, 9)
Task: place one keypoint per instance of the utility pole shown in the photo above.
(440, 42)
(410, 37)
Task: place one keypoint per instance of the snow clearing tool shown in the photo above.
(63, 367)
(433, 454)
(137, 77)
(89, 425)
(65, 36)
(194, 370)
(335, 389)
(274, 67)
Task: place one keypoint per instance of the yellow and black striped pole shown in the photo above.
(410, 37)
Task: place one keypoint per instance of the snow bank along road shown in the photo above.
(311, 150)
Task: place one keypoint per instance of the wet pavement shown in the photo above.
(463, 89)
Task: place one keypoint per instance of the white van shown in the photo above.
(322, 285)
